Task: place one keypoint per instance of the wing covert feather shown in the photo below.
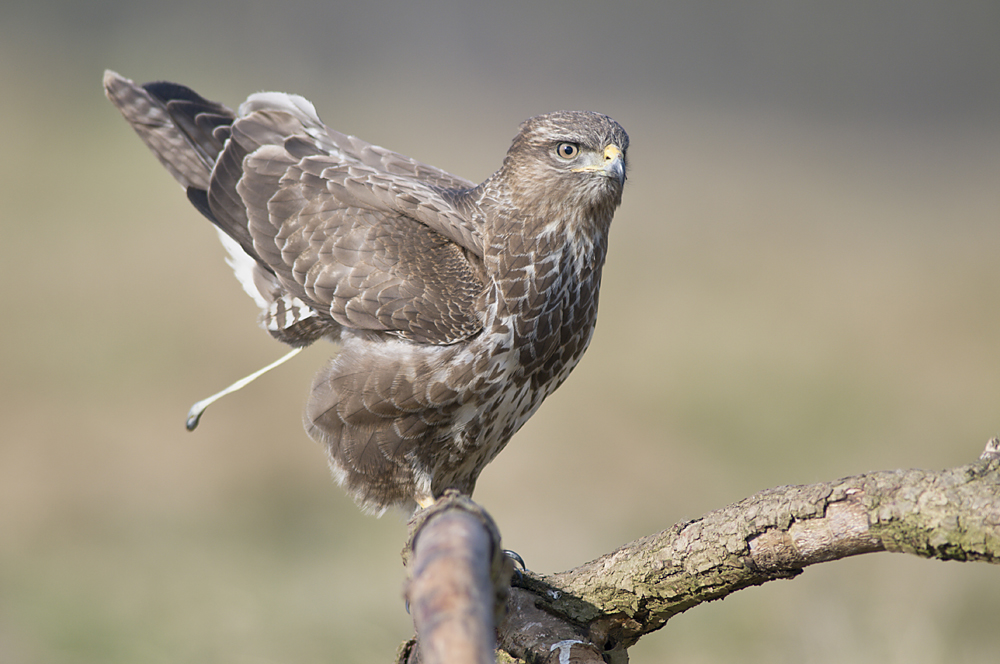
(340, 244)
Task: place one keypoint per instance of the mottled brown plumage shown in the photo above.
(458, 307)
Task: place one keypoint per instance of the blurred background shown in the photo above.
(801, 286)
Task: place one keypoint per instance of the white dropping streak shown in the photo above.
(196, 410)
(564, 649)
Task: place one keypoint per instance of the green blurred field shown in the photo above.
(790, 297)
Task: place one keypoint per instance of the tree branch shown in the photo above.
(459, 578)
(595, 612)
(614, 600)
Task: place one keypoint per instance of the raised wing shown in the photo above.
(402, 185)
(369, 268)
(324, 230)
(183, 130)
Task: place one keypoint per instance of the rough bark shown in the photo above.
(458, 583)
(596, 611)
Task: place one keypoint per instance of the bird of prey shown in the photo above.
(458, 307)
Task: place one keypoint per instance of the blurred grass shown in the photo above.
(789, 298)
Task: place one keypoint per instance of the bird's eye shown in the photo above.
(567, 150)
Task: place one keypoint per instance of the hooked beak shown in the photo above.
(613, 165)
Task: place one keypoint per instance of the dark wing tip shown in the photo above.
(166, 92)
(163, 91)
(199, 199)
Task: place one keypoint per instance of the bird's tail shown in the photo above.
(185, 131)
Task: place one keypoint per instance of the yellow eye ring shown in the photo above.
(567, 151)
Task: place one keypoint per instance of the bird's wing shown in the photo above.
(422, 192)
(371, 249)
(322, 228)
(185, 131)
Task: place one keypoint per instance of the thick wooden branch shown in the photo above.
(458, 582)
(595, 612)
(614, 600)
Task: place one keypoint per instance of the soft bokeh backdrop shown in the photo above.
(801, 286)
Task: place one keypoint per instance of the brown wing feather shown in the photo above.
(185, 131)
(368, 268)
(346, 148)
(369, 238)
(404, 185)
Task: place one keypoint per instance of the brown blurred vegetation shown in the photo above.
(800, 287)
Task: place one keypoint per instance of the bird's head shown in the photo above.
(568, 160)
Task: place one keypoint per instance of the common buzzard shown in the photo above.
(458, 307)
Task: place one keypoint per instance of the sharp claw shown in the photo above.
(516, 557)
